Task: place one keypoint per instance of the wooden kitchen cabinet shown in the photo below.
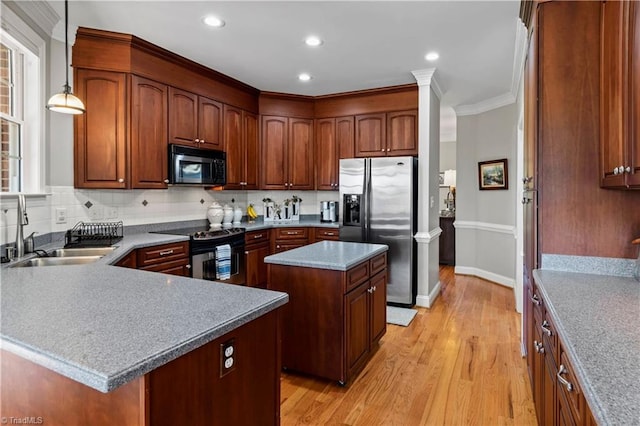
(109, 154)
(194, 120)
(447, 241)
(386, 134)
(100, 142)
(334, 140)
(287, 153)
(620, 94)
(172, 258)
(329, 234)
(334, 319)
(242, 147)
(257, 247)
(284, 239)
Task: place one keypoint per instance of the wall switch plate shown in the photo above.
(227, 358)
(61, 215)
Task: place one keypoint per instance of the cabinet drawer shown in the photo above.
(574, 397)
(256, 237)
(175, 267)
(332, 234)
(548, 331)
(357, 275)
(162, 253)
(291, 233)
(288, 245)
(378, 263)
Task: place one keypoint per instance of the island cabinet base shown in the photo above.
(191, 389)
(334, 319)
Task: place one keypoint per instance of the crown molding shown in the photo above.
(519, 57)
(40, 13)
(426, 77)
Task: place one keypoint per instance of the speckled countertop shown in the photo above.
(103, 325)
(335, 255)
(598, 319)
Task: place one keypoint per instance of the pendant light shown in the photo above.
(66, 102)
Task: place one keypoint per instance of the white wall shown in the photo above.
(485, 220)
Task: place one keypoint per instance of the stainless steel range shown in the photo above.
(205, 246)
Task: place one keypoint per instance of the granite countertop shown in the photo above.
(335, 255)
(310, 220)
(598, 319)
(103, 325)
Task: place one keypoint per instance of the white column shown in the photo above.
(427, 237)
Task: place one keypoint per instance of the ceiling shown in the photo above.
(366, 44)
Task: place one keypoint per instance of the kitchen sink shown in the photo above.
(53, 261)
(87, 251)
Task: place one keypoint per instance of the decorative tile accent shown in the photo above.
(88, 204)
(201, 201)
(145, 202)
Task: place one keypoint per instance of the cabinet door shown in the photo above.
(252, 150)
(274, 152)
(234, 147)
(345, 138)
(357, 319)
(549, 389)
(371, 135)
(100, 135)
(402, 133)
(183, 117)
(210, 123)
(148, 134)
(633, 179)
(326, 154)
(129, 261)
(378, 306)
(613, 94)
(300, 146)
(256, 269)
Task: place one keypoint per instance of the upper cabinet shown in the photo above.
(194, 120)
(242, 148)
(334, 140)
(620, 94)
(287, 153)
(386, 134)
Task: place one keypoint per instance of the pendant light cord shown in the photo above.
(67, 89)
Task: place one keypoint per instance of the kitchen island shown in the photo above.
(336, 313)
(98, 344)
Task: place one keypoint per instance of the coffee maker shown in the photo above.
(329, 211)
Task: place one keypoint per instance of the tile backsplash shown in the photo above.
(136, 207)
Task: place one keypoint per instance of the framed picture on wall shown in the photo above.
(441, 180)
(493, 174)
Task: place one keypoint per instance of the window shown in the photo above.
(20, 118)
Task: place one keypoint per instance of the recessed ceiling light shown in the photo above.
(313, 41)
(432, 56)
(304, 77)
(213, 21)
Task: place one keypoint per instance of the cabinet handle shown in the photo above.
(278, 246)
(255, 237)
(292, 233)
(331, 234)
(627, 169)
(188, 266)
(562, 370)
(526, 200)
(166, 253)
(374, 288)
(527, 179)
(197, 141)
(539, 347)
(545, 328)
(121, 180)
(166, 181)
(370, 290)
(246, 252)
(203, 141)
(535, 300)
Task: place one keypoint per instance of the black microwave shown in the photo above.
(196, 166)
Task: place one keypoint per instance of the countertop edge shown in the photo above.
(587, 389)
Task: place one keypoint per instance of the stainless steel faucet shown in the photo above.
(21, 222)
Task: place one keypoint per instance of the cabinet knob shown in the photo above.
(166, 181)
(121, 180)
(382, 150)
(197, 141)
(188, 266)
(286, 184)
(388, 149)
(615, 171)
(203, 141)
(627, 169)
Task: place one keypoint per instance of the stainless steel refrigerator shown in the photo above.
(379, 205)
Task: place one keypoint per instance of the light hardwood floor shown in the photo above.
(457, 363)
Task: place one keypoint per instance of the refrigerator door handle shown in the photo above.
(367, 200)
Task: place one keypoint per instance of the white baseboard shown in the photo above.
(490, 276)
(427, 301)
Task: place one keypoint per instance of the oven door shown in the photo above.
(204, 265)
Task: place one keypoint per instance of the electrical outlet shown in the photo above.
(227, 360)
(96, 213)
(61, 215)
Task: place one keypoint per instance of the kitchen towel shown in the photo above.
(223, 262)
(400, 316)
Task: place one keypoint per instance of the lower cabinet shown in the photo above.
(447, 241)
(322, 234)
(172, 258)
(194, 389)
(334, 319)
(557, 396)
(284, 239)
(257, 247)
